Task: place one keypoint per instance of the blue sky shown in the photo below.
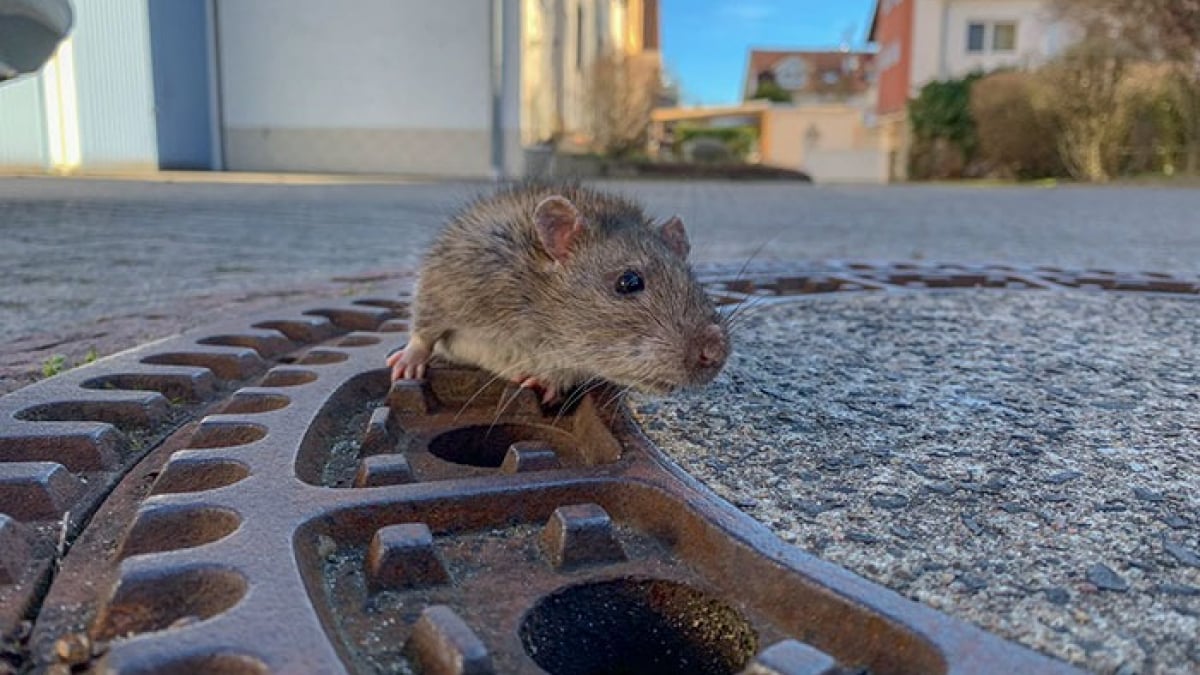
(705, 43)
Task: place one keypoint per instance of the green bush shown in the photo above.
(943, 131)
(771, 91)
(739, 140)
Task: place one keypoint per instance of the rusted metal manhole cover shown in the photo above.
(255, 497)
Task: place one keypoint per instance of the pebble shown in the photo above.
(1182, 554)
(1148, 495)
(1104, 578)
(886, 501)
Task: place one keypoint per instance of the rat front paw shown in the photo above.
(409, 363)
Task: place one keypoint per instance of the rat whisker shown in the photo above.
(583, 390)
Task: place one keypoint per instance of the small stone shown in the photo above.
(887, 501)
(1103, 577)
(1062, 477)
(972, 524)
(942, 488)
(73, 649)
(902, 532)
(862, 537)
(972, 582)
(1178, 589)
(1057, 595)
(1176, 522)
(1054, 498)
(1182, 554)
(1112, 506)
(1148, 495)
(745, 502)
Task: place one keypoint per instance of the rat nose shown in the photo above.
(711, 347)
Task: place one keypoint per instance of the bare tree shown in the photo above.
(1159, 30)
(1080, 92)
(621, 93)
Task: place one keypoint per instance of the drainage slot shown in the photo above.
(485, 445)
(190, 387)
(636, 626)
(288, 378)
(249, 403)
(157, 602)
(226, 434)
(198, 475)
(323, 357)
(168, 529)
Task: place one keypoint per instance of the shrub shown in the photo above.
(621, 94)
(771, 91)
(1015, 137)
(943, 132)
(739, 141)
(1080, 92)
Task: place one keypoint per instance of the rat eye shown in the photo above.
(629, 282)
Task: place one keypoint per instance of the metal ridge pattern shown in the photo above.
(271, 505)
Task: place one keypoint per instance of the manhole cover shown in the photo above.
(255, 497)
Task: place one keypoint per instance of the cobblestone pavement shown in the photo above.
(77, 251)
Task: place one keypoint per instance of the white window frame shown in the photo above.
(989, 36)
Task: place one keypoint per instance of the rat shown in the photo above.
(555, 287)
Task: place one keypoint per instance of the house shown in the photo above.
(464, 88)
(922, 41)
(841, 76)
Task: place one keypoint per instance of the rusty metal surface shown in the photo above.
(255, 497)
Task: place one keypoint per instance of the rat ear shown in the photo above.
(559, 225)
(675, 236)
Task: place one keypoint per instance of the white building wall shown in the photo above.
(940, 37)
(1038, 35)
(23, 125)
(929, 17)
(114, 85)
(360, 86)
(91, 106)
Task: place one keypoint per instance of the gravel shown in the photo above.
(1027, 461)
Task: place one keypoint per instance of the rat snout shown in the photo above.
(709, 350)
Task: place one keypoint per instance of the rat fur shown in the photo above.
(558, 286)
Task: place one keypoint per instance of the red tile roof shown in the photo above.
(854, 81)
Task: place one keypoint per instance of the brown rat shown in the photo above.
(553, 287)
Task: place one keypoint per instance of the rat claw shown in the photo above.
(408, 363)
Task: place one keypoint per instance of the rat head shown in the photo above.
(636, 315)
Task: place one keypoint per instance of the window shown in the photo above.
(991, 37)
(1004, 37)
(792, 73)
(975, 37)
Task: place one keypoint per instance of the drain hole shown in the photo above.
(288, 378)
(244, 403)
(176, 387)
(266, 345)
(321, 357)
(358, 341)
(197, 475)
(634, 626)
(485, 445)
(137, 413)
(226, 434)
(168, 529)
(152, 604)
